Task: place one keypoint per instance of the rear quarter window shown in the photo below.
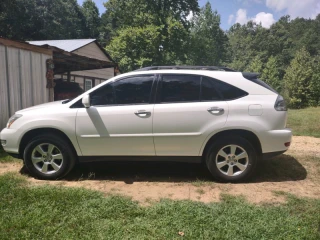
(227, 91)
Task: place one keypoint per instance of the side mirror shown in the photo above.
(86, 101)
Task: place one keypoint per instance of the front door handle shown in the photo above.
(215, 110)
(142, 113)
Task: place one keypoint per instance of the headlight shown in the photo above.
(12, 119)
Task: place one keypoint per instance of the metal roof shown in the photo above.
(69, 45)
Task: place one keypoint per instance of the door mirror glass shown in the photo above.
(86, 101)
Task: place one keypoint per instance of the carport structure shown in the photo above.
(26, 73)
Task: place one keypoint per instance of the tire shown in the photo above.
(231, 159)
(49, 157)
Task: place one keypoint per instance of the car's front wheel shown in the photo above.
(231, 159)
(49, 157)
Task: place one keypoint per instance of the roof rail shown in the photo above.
(214, 68)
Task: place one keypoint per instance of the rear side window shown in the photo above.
(225, 90)
(180, 88)
(209, 90)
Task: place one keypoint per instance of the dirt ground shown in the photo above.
(295, 172)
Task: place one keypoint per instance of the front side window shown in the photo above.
(132, 90)
(180, 88)
(103, 96)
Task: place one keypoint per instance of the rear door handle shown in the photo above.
(215, 110)
(142, 113)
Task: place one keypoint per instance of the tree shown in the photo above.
(298, 80)
(166, 19)
(92, 19)
(41, 19)
(135, 47)
(256, 65)
(208, 44)
(271, 74)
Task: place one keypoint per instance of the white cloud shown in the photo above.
(266, 19)
(230, 19)
(242, 16)
(296, 8)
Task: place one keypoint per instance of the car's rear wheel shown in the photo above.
(231, 159)
(49, 157)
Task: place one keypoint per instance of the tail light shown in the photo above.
(280, 104)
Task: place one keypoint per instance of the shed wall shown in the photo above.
(22, 80)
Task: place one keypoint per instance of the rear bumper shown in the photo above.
(274, 141)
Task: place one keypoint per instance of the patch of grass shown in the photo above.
(305, 122)
(202, 183)
(200, 191)
(4, 157)
(66, 213)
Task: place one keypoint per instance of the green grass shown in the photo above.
(305, 122)
(4, 157)
(65, 213)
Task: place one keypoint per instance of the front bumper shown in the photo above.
(12, 140)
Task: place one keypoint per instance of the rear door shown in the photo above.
(119, 121)
(187, 110)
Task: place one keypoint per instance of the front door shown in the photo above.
(119, 121)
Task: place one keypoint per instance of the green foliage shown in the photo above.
(298, 79)
(255, 65)
(45, 19)
(271, 74)
(147, 32)
(208, 42)
(135, 47)
(92, 19)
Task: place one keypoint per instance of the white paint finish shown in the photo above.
(92, 50)
(101, 130)
(49, 115)
(180, 128)
(255, 110)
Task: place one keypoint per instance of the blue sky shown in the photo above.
(265, 12)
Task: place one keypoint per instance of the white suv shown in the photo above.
(228, 120)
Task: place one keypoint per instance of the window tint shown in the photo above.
(103, 96)
(180, 88)
(227, 91)
(208, 90)
(133, 90)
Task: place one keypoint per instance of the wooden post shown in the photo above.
(50, 77)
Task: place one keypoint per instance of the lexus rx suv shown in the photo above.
(228, 120)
